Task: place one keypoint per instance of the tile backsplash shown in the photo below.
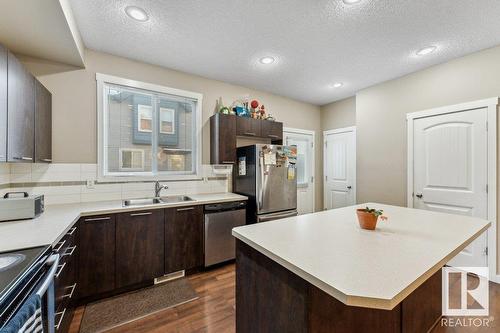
(67, 183)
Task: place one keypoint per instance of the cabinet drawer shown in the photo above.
(248, 127)
(63, 316)
(66, 243)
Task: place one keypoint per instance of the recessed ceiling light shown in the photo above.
(137, 13)
(266, 60)
(337, 85)
(426, 50)
(351, 2)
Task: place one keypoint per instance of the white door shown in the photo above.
(450, 171)
(340, 168)
(304, 140)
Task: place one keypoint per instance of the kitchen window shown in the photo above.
(147, 131)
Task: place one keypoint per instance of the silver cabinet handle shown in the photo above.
(228, 162)
(184, 209)
(46, 160)
(69, 251)
(24, 158)
(141, 214)
(273, 136)
(61, 267)
(61, 244)
(73, 287)
(59, 322)
(250, 133)
(94, 219)
(71, 231)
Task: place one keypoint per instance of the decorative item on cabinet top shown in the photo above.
(240, 107)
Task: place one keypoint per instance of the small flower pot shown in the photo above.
(366, 220)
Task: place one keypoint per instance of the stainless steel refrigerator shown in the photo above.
(267, 175)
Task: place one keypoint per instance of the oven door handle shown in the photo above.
(49, 279)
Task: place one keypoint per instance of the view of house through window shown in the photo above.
(147, 132)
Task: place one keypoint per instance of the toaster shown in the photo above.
(20, 206)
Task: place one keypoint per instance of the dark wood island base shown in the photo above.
(270, 298)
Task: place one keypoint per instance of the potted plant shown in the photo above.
(368, 217)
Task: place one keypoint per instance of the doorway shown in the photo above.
(304, 140)
(452, 169)
(339, 167)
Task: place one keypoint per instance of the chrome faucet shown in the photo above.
(158, 188)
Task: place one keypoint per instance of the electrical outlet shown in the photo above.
(90, 183)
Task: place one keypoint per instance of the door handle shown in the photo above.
(24, 158)
(94, 219)
(184, 209)
(419, 195)
(349, 187)
(141, 214)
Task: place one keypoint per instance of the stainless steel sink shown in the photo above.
(142, 202)
(175, 199)
(155, 201)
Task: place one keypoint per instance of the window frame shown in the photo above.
(102, 174)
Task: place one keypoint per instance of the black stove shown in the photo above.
(18, 269)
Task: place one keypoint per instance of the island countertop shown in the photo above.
(374, 269)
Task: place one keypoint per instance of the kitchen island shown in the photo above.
(321, 273)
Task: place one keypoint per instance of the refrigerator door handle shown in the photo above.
(276, 216)
(262, 182)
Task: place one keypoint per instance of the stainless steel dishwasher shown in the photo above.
(220, 219)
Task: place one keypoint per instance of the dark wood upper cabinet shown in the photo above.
(43, 124)
(96, 255)
(140, 244)
(183, 238)
(222, 139)
(272, 130)
(3, 104)
(248, 126)
(224, 130)
(21, 112)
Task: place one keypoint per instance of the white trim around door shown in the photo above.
(313, 158)
(353, 190)
(491, 104)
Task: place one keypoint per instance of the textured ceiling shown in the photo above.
(315, 42)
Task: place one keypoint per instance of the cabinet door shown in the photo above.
(223, 139)
(184, 238)
(248, 126)
(21, 112)
(43, 124)
(272, 130)
(3, 104)
(96, 256)
(140, 245)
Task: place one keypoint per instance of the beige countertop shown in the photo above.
(375, 269)
(49, 227)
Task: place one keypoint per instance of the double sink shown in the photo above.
(156, 201)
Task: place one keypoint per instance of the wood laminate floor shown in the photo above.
(214, 311)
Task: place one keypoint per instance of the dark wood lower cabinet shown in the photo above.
(65, 280)
(270, 298)
(140, 244)
(183, 238)
(96, 259)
